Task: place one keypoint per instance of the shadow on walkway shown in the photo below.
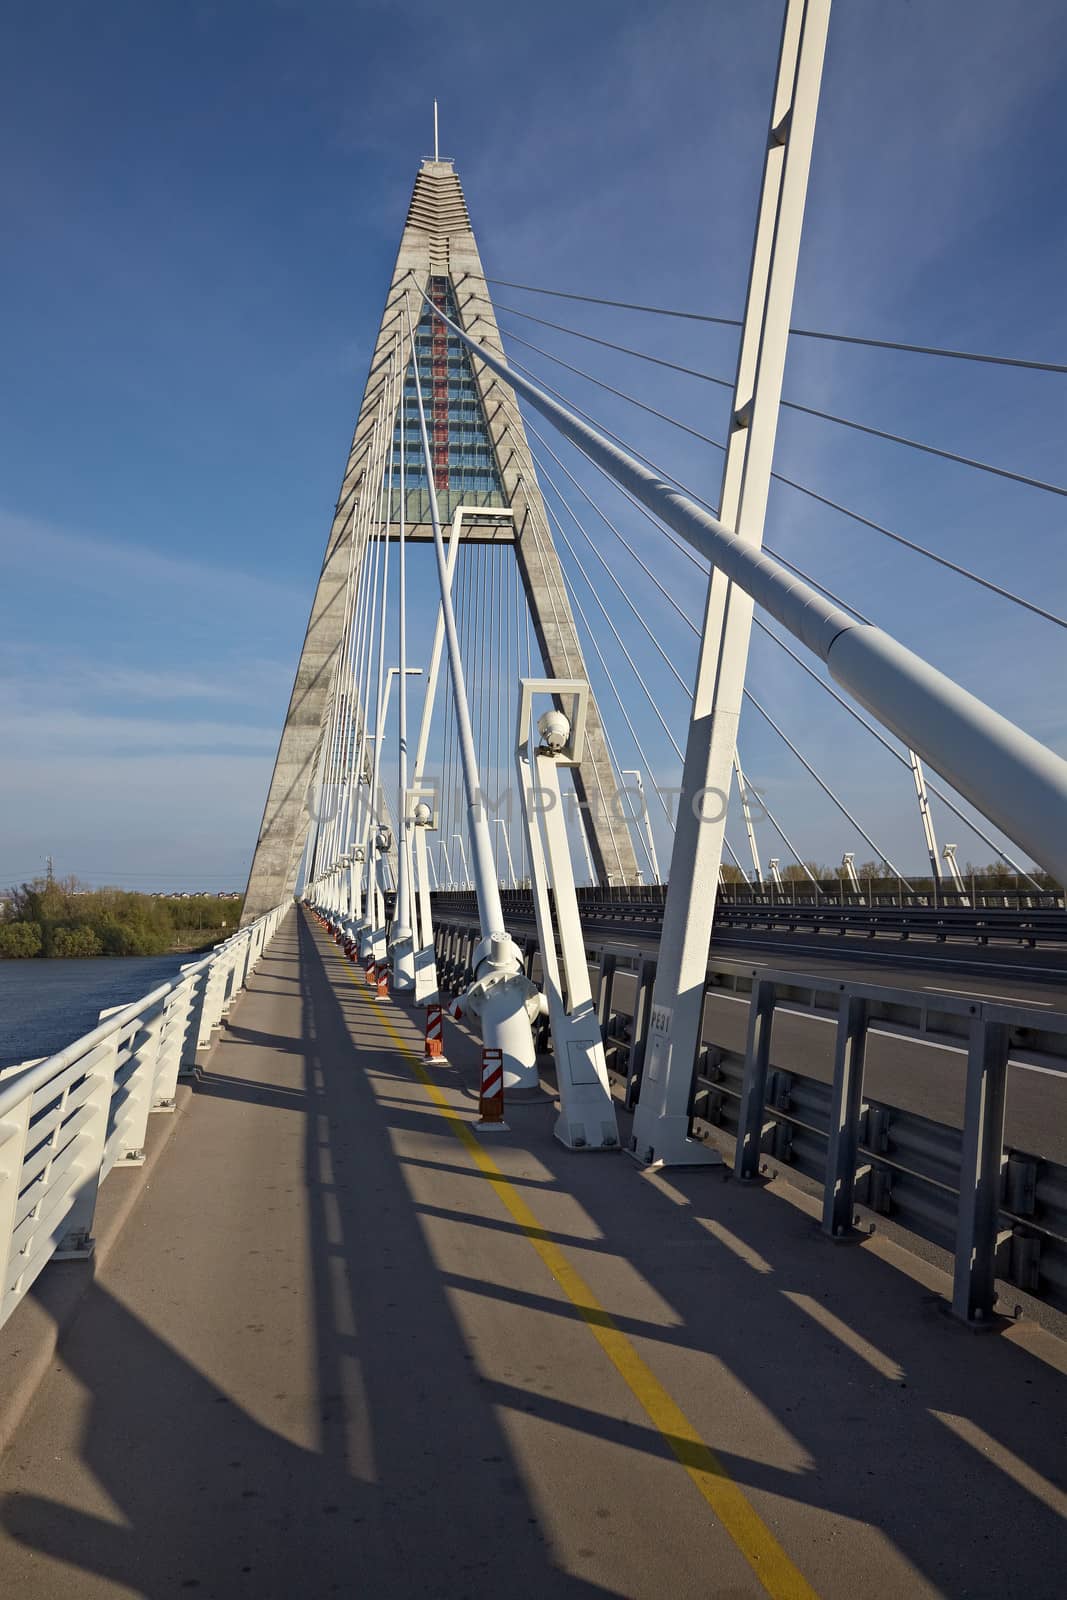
(408, 1489)
(947, 1442)
(390, 1460)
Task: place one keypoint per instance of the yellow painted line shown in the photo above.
(749, 1533)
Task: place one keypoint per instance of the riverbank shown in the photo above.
(64, 920)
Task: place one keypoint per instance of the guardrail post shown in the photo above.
(605, 991)
(229, 986)
(76, 1242)
(643, 987)
(191, 1040)
(131, 1118)
(13, 1132)
(177, 1009)
(981, 1166)
(211, 1003)
(238, 972)
(752, 1113)
(845, 1108)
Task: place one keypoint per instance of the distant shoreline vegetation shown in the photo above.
(64, 918)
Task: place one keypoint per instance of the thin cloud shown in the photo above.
(88, 561)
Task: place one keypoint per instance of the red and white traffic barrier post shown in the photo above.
(434, 1046)
(491, 1099)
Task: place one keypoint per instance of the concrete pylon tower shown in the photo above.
(481, 457)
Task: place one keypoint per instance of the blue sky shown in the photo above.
(202, 206)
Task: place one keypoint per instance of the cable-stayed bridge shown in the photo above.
(544, 912)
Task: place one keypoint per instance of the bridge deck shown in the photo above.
(346, 1346)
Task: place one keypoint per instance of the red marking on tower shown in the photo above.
(439, 386)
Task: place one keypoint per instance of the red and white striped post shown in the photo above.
(434, 1048)
(491, 1099)
(381, 981)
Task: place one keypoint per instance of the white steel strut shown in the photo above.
(587, 1112)
(501, 996)
(661, 1122)
(502, 825)
(421, 798)
(421, 820)
(1018, 783)
(924, 814)
(402, 942)
(650, 841)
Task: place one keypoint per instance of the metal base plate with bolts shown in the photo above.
(675, 1147)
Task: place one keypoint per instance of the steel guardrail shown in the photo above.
(1046, 925)
(784, 1077)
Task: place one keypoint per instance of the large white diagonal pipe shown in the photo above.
(1013, 779)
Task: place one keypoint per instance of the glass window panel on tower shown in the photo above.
(465, 464)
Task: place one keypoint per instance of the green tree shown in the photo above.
(873, 869)
(76, 942)
(19, 940)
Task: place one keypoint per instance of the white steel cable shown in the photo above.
(535, 502)
(354, 612)
(697, 561)
(379, 716)
(922, 550)
(375, 527)
(791, 405)
(826, 788)
(641, 355)
(490, 914)
(799, 333)
(702, 566)
(610, 680)
(649, 696)
(800, 488)
(896, 754)
(633, 609)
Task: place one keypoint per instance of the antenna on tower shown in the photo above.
(435, 145)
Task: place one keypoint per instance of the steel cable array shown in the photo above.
(493, 619)
(574, 434)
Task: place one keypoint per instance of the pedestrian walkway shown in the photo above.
(346, 1345)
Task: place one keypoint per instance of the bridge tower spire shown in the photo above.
(437, 254)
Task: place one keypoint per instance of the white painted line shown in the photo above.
(978, 994)
(883, 958)
(1027, 1066)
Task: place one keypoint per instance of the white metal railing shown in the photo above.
(67, 1120)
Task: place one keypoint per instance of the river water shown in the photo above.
(45, 1005)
